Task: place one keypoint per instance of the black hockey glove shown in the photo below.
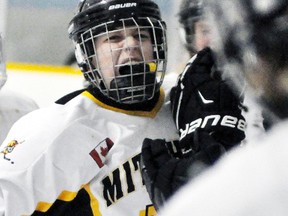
(202, 99)
(207, 114)
(165, 168)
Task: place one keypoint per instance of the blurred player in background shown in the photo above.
(196, 34)
(206, 111)
(12, 105)
(81, 155)
(251, 42)
(194, 30)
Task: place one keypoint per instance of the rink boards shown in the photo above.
(43, 83)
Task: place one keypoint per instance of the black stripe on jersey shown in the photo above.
(79, 206)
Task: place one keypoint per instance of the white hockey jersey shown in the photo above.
(12, 107)
(81, 158)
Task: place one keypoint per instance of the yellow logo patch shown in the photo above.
(9, 149)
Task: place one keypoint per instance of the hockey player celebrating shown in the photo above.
(81, 155)
(13, 105)
(252, 41)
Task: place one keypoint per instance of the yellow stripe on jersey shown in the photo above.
(64, 196)
(150, 114)
(67, 196)
(150, 211)
(43, 206)
(93, 201)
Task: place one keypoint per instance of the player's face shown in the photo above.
(120, 47)
(202, 35)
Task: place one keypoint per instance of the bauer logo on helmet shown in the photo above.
(125, 5)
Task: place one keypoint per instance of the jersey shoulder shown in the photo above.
(51, 144)
(40, 129)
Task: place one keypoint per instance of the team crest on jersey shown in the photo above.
(9, 149)
(101, 150)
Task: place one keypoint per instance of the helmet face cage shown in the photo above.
(134, 79)
(3, 75)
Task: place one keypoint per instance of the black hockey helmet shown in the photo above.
(252, 37)
(190, 11)
(97, 17)
(91, 13)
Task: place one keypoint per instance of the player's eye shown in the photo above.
(144, 35)
(114, 38)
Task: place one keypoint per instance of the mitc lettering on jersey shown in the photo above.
(113, 187)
